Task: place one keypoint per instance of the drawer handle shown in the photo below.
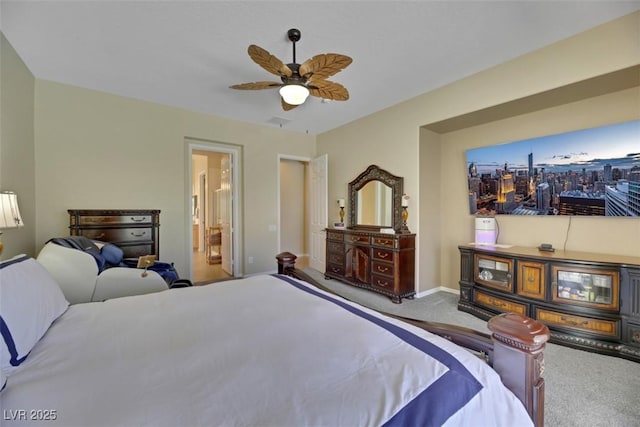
(497, 303)
(531, 279)
(99, 236)
(381, 283)
(335, 270)
(138, 220)
(138, 235)
(574, 322)
(383, 255)
(382, 269)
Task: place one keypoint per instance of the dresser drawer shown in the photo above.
(335, 269)
(382, 254)
(356, 238)
(135, 251)
(116, 235)
(388, 242)
(384, 282)
(382, 268)
(335, 247)
(335, 258)
(499, 304)
(632, 334)
(608, 328)
(332, 235)
(114, 219)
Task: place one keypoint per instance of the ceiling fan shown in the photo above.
(299, 80)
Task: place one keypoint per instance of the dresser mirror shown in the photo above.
(375, 199)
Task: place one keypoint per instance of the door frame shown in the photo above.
(309, 193)
(196, 144)
(282, 157)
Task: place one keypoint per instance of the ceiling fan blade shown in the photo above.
(328, 90)
(256, 85)
(324, 65)
(285, 106)
(268, 61)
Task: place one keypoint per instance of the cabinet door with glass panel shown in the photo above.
(495, 272)
(585, 286)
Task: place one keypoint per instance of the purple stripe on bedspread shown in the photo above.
(434, 405)
(7, 263)
(11, 345)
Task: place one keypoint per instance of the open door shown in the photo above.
(226, 217)
(318, 206)
(203, 203)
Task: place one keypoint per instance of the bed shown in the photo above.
(268, 350)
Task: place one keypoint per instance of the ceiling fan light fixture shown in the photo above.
(298, 81)
(294, 94)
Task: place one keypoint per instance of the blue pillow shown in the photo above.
(112, 254)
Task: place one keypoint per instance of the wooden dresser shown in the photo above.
(135, 231)
(383, 263)
(588, 300)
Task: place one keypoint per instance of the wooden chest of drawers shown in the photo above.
(383, 263)
(135, 231)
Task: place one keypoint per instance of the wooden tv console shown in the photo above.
(589, 301)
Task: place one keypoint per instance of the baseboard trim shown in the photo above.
(438, 289)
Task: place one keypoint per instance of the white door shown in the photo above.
(226, 217)
(318, 207)
(202, 211)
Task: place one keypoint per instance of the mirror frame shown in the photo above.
(374, 173)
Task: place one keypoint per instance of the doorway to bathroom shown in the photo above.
(213, 212)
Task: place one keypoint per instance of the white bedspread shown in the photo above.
(254, 352)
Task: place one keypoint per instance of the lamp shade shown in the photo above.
(294, 94)
(9, 212)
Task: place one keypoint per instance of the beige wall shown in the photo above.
(77, 148)
(433, 165)
(17, 164)
(591, 234)
(95, 150)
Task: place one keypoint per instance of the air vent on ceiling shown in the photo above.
(278, 121)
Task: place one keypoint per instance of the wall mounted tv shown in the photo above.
(592, 171)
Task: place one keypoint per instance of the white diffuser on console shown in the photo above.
(486, 233)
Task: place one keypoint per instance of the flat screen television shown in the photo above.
(592, 171)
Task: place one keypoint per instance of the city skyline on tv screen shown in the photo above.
(593, 171)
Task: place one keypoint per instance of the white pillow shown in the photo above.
(30, 300)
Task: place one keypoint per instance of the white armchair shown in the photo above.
(77, 274)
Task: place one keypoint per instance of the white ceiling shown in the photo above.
(187, 53)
